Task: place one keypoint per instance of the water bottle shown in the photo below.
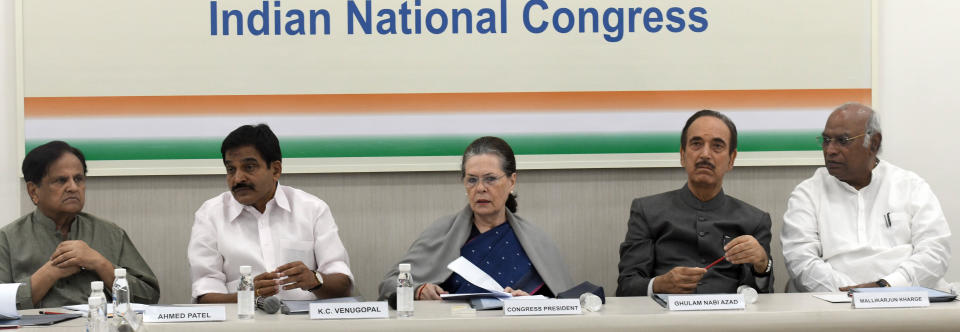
(404, 292)
(97, 292)
(749, 294)
(95, 321)
(245, 303)
(121, 293)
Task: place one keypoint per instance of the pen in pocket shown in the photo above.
(886, 218)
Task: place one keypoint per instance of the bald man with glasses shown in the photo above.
(861, 221)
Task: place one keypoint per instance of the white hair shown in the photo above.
(873, 127)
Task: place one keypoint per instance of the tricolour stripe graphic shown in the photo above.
(440, 102)
(375, 125)
(325, 147)
(411, 125)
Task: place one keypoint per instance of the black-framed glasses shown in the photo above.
(488, 180)
(842, 140)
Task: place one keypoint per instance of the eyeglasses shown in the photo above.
(488, 180)
(842, 140)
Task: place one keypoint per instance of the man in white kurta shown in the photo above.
(287, 236)
(295, 226)
(861, 221)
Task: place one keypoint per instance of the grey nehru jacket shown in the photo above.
(677, 229)
(28, 242)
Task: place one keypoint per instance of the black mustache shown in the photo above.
(242, 185)
(705, 164)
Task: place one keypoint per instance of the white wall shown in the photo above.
(9, 160)
(919, 75)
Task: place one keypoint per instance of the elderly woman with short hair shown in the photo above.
(488, 233)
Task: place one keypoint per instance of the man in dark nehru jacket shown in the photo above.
(57, 250)
(673, 237)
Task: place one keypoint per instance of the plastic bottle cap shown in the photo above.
(121, 272)
(94, 301)
(244, 269)
(405, 267)
(749, 294)
(96, 285)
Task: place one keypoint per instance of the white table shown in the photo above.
(774, 312)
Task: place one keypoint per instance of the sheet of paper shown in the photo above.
(933, 293)
(834, 297)
(467, 296)
(140, 308)
(8, 301)
(486, 303)
(489, 303)
(471, 296)
(476, 276)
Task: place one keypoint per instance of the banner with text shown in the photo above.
(167, 80)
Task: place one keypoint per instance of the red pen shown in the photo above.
(51, 313)
(714, 263)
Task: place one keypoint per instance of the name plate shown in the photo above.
(890, 300)
(705, 302)
(353, 310)
(542, 307)
(174, 314)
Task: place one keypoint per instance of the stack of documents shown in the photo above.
(935, 295)
(480, 301)
(8, 301)
(843, 297)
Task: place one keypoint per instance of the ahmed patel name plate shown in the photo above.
(176, 314)
(890, 300)
(349, 310)
(524, 307)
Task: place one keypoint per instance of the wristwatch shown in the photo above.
(765, 272)
(319, 281)
(883, 283)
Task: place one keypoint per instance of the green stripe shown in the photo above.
(405, 146)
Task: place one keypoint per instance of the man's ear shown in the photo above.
(733, 157)
(682, 157)
(875, 141)
(32, 192)
(276, 168)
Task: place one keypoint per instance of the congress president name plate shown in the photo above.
(521, 307)
(350, 310)
(705, 302)
(175, 314)
(890, 300)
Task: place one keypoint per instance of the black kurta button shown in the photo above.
(702, 234)
(701, 218)
(703, 261)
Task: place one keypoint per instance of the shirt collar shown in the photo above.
(235, 208)
(49, 226)
(876, 176)
(692, 201)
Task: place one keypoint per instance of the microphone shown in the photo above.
(269, 305)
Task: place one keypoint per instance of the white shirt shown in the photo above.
(834, 235)
(295, 226)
